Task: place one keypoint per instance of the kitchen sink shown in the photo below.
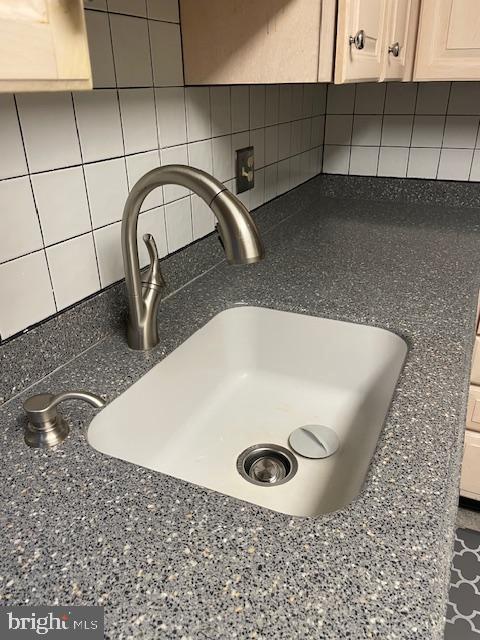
(280, 409)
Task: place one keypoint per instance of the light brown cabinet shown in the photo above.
(448, 46)
(400, 36)
(43, 46)
(375, 40)
(360, 35)
(247, 41)
(470, 481)
(470, 478)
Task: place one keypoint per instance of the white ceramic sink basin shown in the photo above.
(250, 376)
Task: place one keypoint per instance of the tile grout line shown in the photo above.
(157, 123)
(35, 204)
(411, 132)
(444, 129)
(87, 195)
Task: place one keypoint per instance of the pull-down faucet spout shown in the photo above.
(239, 234)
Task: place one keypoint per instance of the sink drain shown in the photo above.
(267, 465)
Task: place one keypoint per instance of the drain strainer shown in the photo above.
(267, 465)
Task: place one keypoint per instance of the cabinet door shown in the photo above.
(448, 45)
(470, 479)
(43, 46)
(252, 41)
(400, 40)
(360, 35)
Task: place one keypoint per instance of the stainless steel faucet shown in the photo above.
(238, 232)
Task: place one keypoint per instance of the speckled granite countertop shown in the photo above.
(171, 560)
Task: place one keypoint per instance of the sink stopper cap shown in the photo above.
(314, 441)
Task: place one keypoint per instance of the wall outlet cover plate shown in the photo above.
(245, 170)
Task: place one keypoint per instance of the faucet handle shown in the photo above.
(153, 276)
(45, 426)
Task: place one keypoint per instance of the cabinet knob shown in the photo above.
(394, 49)
(358, 39)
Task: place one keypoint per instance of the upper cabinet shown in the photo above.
(43, 46)
(448, 45)
(252, 41)
(400, 39)
(375, 40)
(360, 35)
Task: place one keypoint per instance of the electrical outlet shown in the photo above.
(245, 170)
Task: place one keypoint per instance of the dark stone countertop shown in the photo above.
(171, 560)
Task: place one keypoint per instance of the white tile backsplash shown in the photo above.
(100, 48)
(98, 121)
(464, 99)
(397, 130)
(137, 166)
(367, 130)
(272, 92)
(240, 98)
(221, 114)
(107, 190)
(129, 7)
(198, 113)
(271, 144)
(62, 204)
(423, 163)
(12, 157)
(338, 129)
(257, 106)
(73, 269)
(336, 159)
(163, 10)
(178, 218)
(393, 162)
(364, 161)
(428, 130)
(284, 139)
(460, 132)
(131, 51)
(48, 125)
(166, 54)
(222, 158)
(19, 226)
(455, 164)
(370, 98)
(306, 141)
(400, 97)
(139, 122)
(341, 98)
(257, 141)
(25, 284)
(285, 103)
(200, 155)
(109, 252)
(432, 98)
(203, 220)
(174, 155)
(475, 171)
(171, 121)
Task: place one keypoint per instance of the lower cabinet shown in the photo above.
(470, 480)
